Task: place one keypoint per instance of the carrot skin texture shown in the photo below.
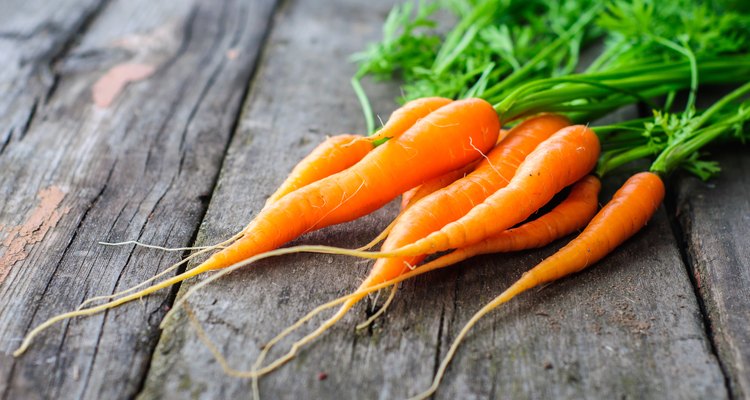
(630, 209)
(456, 200)
(335, 154)
(407, 115)
(570, 215)
(444, 140)
(560, 161)
(415, 194)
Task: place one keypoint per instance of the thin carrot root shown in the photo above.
(155, 247)
(94, 299)
(201, 250)
(504, 297)
(257, 371)
(258, 257)
(380, 311)
(102, 307)
(203, 337)
(144, 283)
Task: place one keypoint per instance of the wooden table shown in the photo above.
(223, 99)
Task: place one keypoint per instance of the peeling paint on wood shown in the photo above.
(40, 220)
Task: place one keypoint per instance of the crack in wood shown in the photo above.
(670, 203)
(5, 140)
(25, 127)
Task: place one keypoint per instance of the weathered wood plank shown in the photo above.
(32, 36)
(715, 221)
(139, 164)
(628, 328)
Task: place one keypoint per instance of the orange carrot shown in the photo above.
(628, 211)
(456, 200)
(558, 162)
(408, 115)
(568, 216)
(446, 139)
(450, 137)
(335, 154)
(415, 194)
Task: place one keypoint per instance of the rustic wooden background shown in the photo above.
(224, 98)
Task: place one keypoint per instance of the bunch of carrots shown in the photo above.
(469, 187)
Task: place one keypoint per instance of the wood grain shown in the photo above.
(142, 168)
(715, 222)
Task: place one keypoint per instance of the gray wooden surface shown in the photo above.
(142, 168)
(714, 218)
(241, 90)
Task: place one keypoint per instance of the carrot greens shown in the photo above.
(523, 61)
(489, 41)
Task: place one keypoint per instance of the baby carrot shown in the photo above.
(558, 162)
(456, 200)
(628, 211)
(335, 154)
(408, 115)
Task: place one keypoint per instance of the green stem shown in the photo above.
(364, 102)
(458, 38)
(608, 164)
(679, 151)
(522, 73)
(684, 50)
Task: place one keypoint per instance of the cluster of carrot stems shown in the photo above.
(652, 52)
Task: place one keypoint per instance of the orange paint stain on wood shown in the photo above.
(112, 83)
(45, 216)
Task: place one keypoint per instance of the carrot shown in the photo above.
(572, 213)
(629, 210)
(335, 154)
(456, 200)
(408, 115)
(415, 194)
(449, 137)
(411, 196)
(556, 163)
